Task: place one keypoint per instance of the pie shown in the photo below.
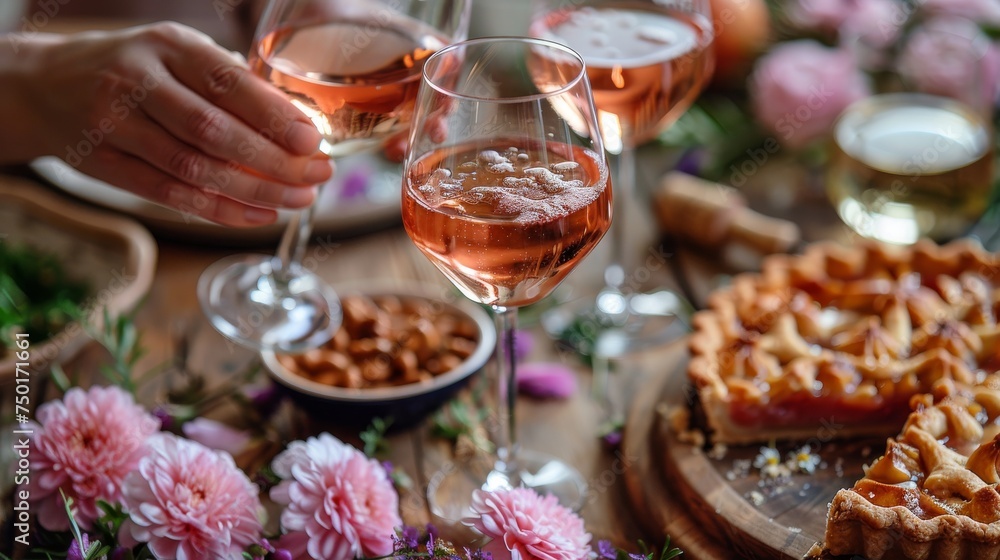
(933, 494)
(843, 336)
(871, 338)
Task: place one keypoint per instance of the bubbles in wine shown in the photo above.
(610, 37)
(512, 186)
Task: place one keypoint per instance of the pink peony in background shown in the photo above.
(953, 58)
(524, 525)
(799, 88)
(820, 15)
(339, 503)
(875, 23)
(983, 11)
(188, 501)
(85, 444)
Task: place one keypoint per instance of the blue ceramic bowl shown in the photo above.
(405, 404)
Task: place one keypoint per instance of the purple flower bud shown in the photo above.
(77, 549)
(524, 344)
(606, 550)
(281, 554)
(546, 380)
(166, 420)
(432, 531)
(691, 161)
(265, 400)
(216, 435)
(355, 182)
(612, 439)
(410, 537)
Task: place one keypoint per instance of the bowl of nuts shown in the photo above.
(397, 355)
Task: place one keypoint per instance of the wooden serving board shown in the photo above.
(705, 504)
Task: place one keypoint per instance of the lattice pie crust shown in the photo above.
(871, 338)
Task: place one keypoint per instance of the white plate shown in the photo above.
(362, 196)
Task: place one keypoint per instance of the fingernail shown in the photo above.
(302, 138)
(259, 215)
(298, 197)
(318, 171)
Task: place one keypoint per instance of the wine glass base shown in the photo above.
(251, 304)
(449, 493)
(615, 324)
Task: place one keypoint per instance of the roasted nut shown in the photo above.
(359, 315)
(387, 341)
(407, 364)
(329, 377)
(367, 347)
(334, 360)
(311, 359)
(376, 369)
(466, 329)
(424, 339)
(353, 378)
(443, 363)
(340, 340)
(461, 347)
(391, 305)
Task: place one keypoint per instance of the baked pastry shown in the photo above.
(844, 336)
(933, 494)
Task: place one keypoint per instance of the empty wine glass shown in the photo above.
(353, 67)
(505, 189)
(647, 61)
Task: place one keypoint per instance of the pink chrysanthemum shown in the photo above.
(524, 525)
(188, 502)
(340, 504)
(85, 445)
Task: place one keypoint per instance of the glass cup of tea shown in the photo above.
(917, 161)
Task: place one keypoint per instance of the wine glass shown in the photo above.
(647, 61)
(353, 67)
(505, 189)
(916, 159)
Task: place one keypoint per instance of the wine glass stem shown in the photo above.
(506, 371)
(293, 243)
(623, 167)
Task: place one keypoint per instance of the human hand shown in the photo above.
(165, 113)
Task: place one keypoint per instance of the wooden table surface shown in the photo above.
(567, 429)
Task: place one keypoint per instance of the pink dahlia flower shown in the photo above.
(85, 445)
(339, 503)
(800, 88)
(188, 501)
(524, 525)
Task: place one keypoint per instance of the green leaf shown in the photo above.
(669, 552)
(60, 378)
(68, 505)
(374, 436)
